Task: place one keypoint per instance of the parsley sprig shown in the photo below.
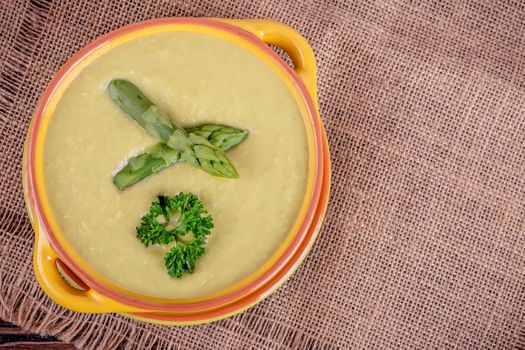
(161, 226)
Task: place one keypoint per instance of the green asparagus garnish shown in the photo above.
(194, 149)
(222, 136)
(155, 159)
(160, 156)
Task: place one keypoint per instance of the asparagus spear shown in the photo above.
(224, 137)
(153, 160)
(160, 156)
(194, 149)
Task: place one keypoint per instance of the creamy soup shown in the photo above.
(196, 79)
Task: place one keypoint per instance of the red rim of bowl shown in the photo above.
(198, 306)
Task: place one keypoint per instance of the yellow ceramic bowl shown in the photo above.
(100, 295)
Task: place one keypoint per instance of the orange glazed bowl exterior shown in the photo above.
(87, 291)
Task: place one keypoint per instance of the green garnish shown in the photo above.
(160, 156)
(201, 147)
(173, 220)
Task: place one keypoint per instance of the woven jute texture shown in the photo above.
(424, 242)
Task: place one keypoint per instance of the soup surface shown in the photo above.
(196, 79)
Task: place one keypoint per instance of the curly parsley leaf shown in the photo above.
(174, 219)
(182, 258)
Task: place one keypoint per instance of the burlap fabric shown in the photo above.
(424, 242)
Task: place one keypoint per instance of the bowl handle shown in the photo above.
(88, 300)
(288, 39)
